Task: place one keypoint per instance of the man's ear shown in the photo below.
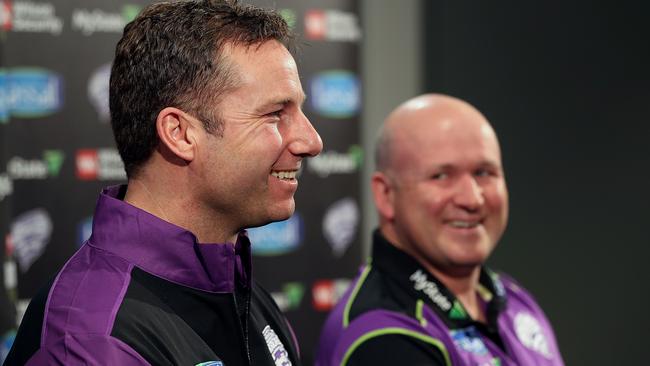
(383, 194)
(176, 131)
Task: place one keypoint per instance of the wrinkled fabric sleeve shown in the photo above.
(86, 350)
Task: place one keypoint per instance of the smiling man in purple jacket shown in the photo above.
(205, 105)
(425, 297)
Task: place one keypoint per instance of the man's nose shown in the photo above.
(307, 141)
(469, 194)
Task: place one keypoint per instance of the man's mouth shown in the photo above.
(463, 224)
(285, 174)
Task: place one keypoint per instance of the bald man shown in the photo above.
(425, 297)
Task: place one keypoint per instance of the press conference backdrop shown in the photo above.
(57, 151)
(567, 86)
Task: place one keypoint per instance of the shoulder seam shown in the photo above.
(353, 295)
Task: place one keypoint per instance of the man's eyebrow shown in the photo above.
(282, 102)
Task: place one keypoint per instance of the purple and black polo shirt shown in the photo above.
(142, 291)
(396, 313)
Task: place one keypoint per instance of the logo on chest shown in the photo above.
(531, 334)
(278, 352)
(469, 340)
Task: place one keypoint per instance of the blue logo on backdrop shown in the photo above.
(336, 94)
(33, 92)
(4, 96)
(84, 229)
(278, 237)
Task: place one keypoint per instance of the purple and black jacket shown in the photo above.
(395, 312)
(142, 291)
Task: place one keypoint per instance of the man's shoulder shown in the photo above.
(374, 290)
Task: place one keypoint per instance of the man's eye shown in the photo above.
(483, 173)
(439, 176)
(276, 114)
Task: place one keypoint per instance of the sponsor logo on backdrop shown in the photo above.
(31, 17)
(290, 297)
(340, 224)
(332, 162)
(531, 334)
(5, 15)
(47, 167)
(6, 186)
(89, 21)
(98, 86)
(332, 25)
(289, 16)
(31, 92)
(99, 164)
(326, 293)
(276, 348)
(469, 340)
(30, 233)
(336, 94)
(84, 229)
(277, 237)
(4, 97)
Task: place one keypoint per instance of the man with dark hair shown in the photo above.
(425, 297)
(206, 110)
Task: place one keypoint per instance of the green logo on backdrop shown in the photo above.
(54, 161)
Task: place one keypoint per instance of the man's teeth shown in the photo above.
(285, 174)
(464, 224)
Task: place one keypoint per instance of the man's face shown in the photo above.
(247, 177)
(450, 199)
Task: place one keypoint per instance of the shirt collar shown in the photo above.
(421, 284)
(166, 250)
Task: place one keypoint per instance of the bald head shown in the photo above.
(437, 113)
(439, 187)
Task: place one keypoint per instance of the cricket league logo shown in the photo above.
(278, 352)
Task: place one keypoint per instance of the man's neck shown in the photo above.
(464, 287)
(177, 209)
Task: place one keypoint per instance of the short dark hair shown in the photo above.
(171, 56)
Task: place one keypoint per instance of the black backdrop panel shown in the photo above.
(566, 86)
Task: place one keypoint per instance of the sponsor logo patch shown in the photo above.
(277, 238)
(531, 334)
(340, 224)
(422, 283)
(332, 25)
(336, 94)
(30, 234)
(278, 352)
(469, 340)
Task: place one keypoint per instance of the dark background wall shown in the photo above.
(567, 87)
